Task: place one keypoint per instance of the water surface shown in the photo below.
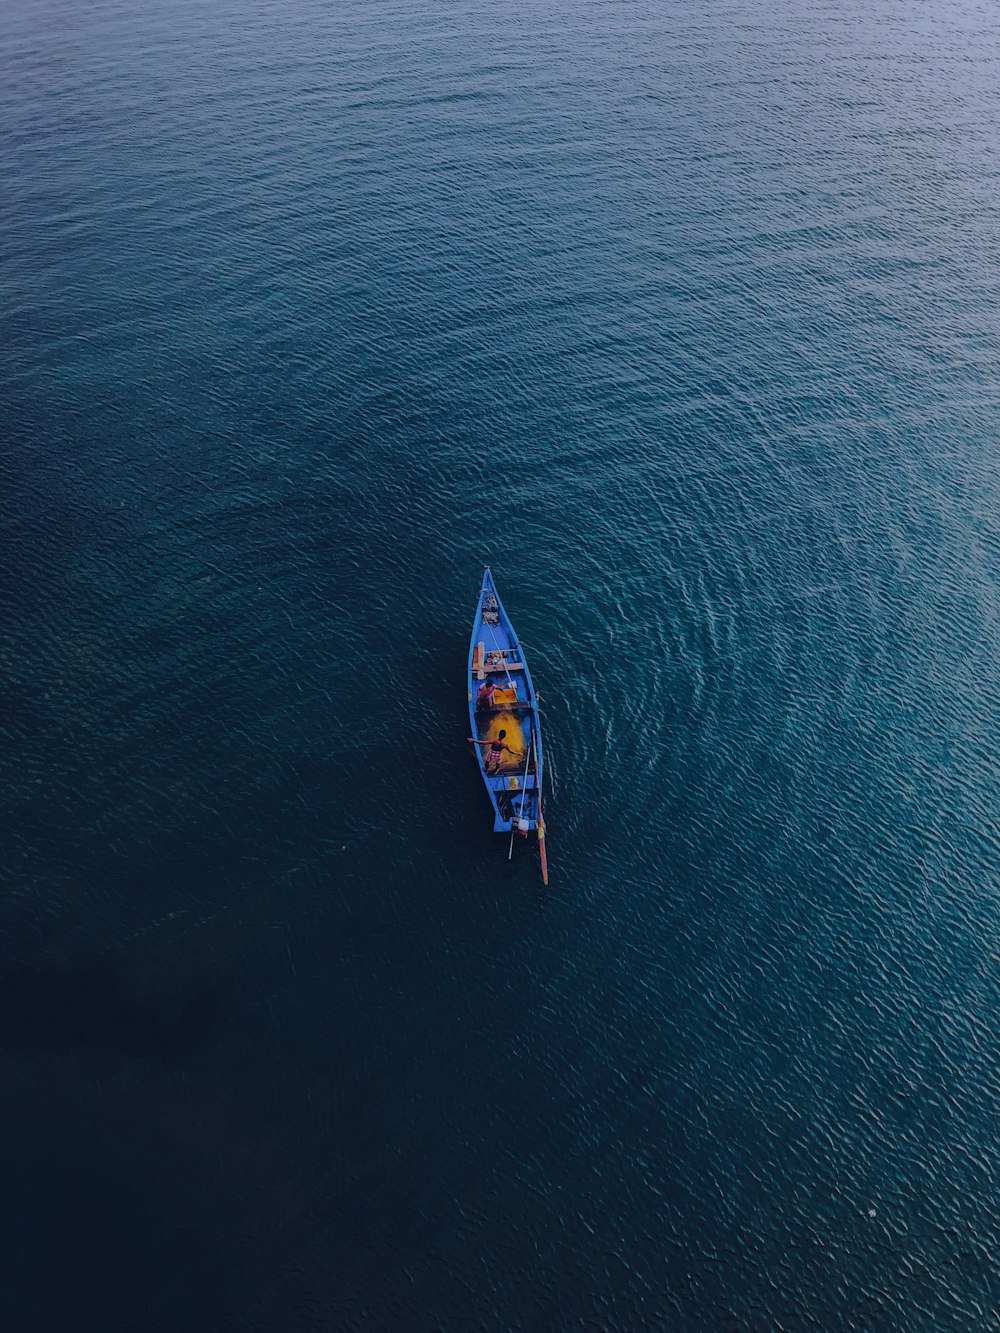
(684, 318)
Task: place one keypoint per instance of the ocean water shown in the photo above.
(684, 317)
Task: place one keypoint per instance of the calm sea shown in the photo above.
(686, 318)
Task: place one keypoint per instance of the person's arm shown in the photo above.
(475, 742)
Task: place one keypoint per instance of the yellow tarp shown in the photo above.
(512, 763)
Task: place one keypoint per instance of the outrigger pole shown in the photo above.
(513, 822)
(540, 821)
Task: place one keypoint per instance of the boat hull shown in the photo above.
(512, 777)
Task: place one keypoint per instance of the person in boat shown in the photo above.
(494, 755)
(484, 699)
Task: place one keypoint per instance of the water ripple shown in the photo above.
(684, 319)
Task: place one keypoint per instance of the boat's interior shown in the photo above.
(497, 658)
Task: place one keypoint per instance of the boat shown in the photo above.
(503, 711)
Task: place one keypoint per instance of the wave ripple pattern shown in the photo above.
(684, 317)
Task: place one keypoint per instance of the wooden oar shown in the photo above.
(540, 821)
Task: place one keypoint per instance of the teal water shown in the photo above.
(684, 318)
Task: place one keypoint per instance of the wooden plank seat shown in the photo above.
(501, 782)
(501, 668)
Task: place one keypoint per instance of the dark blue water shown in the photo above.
(685, 318)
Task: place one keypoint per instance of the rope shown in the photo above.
(513, 822)
(503, 656)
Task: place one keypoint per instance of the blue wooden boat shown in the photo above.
(506, 729)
